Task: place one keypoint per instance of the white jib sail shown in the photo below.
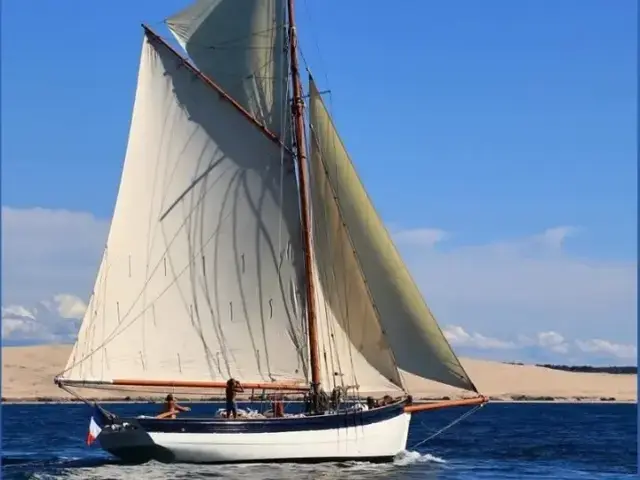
(201, 275)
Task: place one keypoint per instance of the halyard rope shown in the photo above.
(447, 427)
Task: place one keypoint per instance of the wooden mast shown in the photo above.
(299, 130)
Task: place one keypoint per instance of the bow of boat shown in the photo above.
(465, 402)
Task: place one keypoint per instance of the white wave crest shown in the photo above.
(410, 457)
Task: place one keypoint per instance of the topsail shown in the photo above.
(240, 45)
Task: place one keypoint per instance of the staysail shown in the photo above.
(239, 44)
(368, 282)
(353, 352)
(201, 275)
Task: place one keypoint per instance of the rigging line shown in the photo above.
(312, 29)
(283, 126)
(97, 283)
(457, 363)
(240, 81)
(328, 90)
(356, 256)
(447, 427)
(331, 326)
(343, 302)
(114, 333)
(156, 42)
(333, 348)
(77, 395)
(119, 329)
(344, 281)
(329, 330)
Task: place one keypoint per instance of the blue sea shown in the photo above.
(500, 441)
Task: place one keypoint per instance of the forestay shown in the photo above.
(368, 280)
(201, 275)
(347, 335)
(239, 44)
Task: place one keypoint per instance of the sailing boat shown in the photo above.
(237, 251)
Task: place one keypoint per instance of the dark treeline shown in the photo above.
(628, 370)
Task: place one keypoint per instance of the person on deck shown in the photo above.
(278, 406)
(171, 408)
(233, 387)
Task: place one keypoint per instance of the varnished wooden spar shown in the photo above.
(224, 95)
(301, 147)
(281, 386)
(421, 407)
(204, 384)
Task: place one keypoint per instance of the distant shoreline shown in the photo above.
(28, 372)
(611, 370)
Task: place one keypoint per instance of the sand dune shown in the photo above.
(27, 373)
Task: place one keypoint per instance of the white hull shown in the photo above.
(379, 441)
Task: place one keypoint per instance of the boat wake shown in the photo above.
(410, 457)
(57, 461)
(46, 467)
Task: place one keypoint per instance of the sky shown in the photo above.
(497, 140)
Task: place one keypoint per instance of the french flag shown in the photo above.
(94, 427)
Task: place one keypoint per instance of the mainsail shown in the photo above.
(369, 282)
(200, 278)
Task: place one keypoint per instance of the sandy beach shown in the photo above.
(27, 375)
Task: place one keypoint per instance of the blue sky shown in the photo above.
(482, 122)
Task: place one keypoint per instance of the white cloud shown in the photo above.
(69, 306)
(17, 311)
(421, 236)
(526, 286)
(45, 252)
(457, 336)
(555, 237)
(598, 346)
(54, 320)
(552, 341)
(544, 346)
(525, 294)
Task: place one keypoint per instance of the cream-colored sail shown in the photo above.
(357, 244)
(353, 350)
(348, 338)
(199, 279)
(239, 44)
